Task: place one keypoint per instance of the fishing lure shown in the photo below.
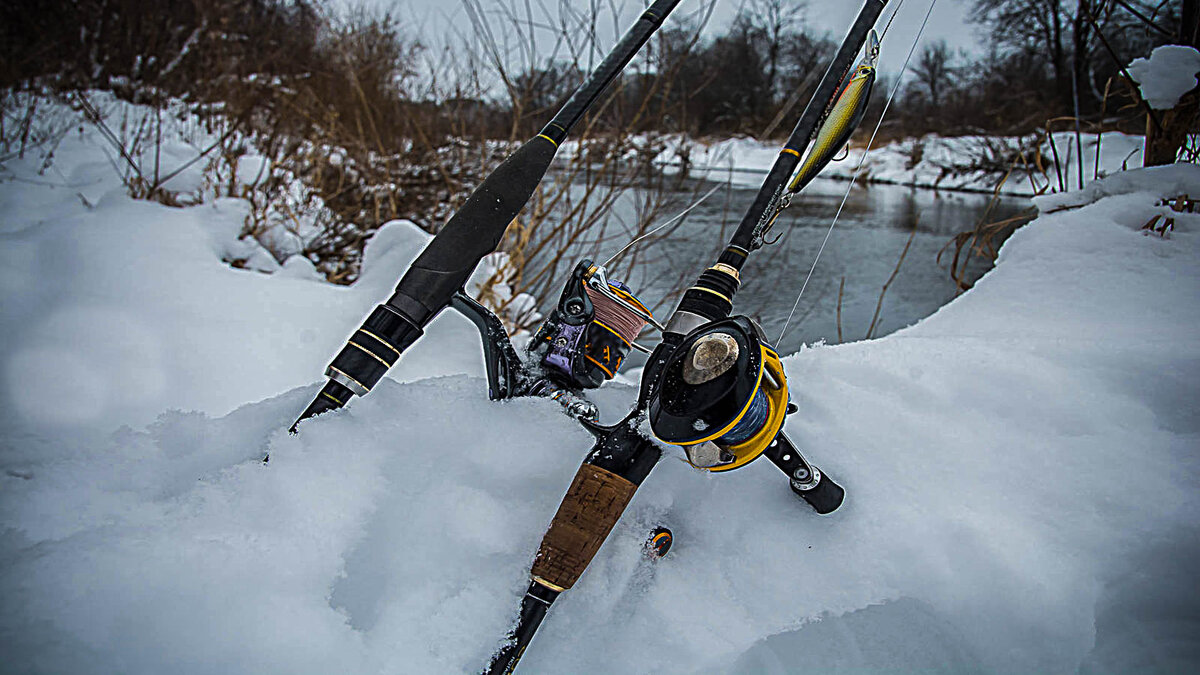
(843, 118)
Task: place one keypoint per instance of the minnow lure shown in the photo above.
(843, 117)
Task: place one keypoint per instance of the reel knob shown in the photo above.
(822, 494)
(710, 357)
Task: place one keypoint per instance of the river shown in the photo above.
(863, 250)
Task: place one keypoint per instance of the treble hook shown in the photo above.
(784, 201)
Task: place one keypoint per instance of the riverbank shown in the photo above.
(1017, 165)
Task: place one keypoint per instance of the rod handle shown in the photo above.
(593, 504)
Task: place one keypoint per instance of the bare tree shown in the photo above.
(775, 21)
(933, 71)
(1021, 23)
(1068, 38)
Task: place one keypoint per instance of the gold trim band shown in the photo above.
(369, 353)
(547, 584)
(707, 290)
(381, 340)
(727, 269)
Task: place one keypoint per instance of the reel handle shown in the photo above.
(806, 480)
(825, 497)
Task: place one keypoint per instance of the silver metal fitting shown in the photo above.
(805, 479)
(346, 381)
(685, 322)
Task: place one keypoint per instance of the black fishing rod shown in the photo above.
(713, 386)
(436, 278)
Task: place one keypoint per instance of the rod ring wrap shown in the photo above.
(370, 353)
(385, 343)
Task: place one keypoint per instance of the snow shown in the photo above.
(1021, 469)
(963, 163)
(117, 309)
(1168, 74)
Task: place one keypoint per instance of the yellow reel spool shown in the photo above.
(777, 399)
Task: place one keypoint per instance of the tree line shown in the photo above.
(1045, 60)
(364, 74)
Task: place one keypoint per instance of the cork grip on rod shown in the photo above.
(588, 512)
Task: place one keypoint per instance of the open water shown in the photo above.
(861, 255)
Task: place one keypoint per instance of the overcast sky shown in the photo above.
(432, 18)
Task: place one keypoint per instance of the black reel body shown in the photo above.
(723, 395)
(590, 331)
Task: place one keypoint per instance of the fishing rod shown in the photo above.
(713, 385)
(434, 281)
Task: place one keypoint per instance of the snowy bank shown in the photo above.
(963, 163)
(1021, 468)
(117, 309)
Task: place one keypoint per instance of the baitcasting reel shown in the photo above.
(722, 397)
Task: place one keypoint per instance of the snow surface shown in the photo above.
(1168, 74)
(964, 163)
(1021, 469)
(116, 309)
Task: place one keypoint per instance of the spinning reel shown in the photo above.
(591, 330)
(723, 396)
(580, 346)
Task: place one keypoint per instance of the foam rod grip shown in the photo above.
(592, 506)
(475, 231)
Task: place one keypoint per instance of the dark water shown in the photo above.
(863, 249)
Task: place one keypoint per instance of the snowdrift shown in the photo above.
(1021, 470)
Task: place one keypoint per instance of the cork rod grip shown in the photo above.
(592, 506)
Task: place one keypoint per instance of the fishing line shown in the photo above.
(616, 316)
(674, 218)
(858, 168)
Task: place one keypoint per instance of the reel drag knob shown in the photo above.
(709, 357)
